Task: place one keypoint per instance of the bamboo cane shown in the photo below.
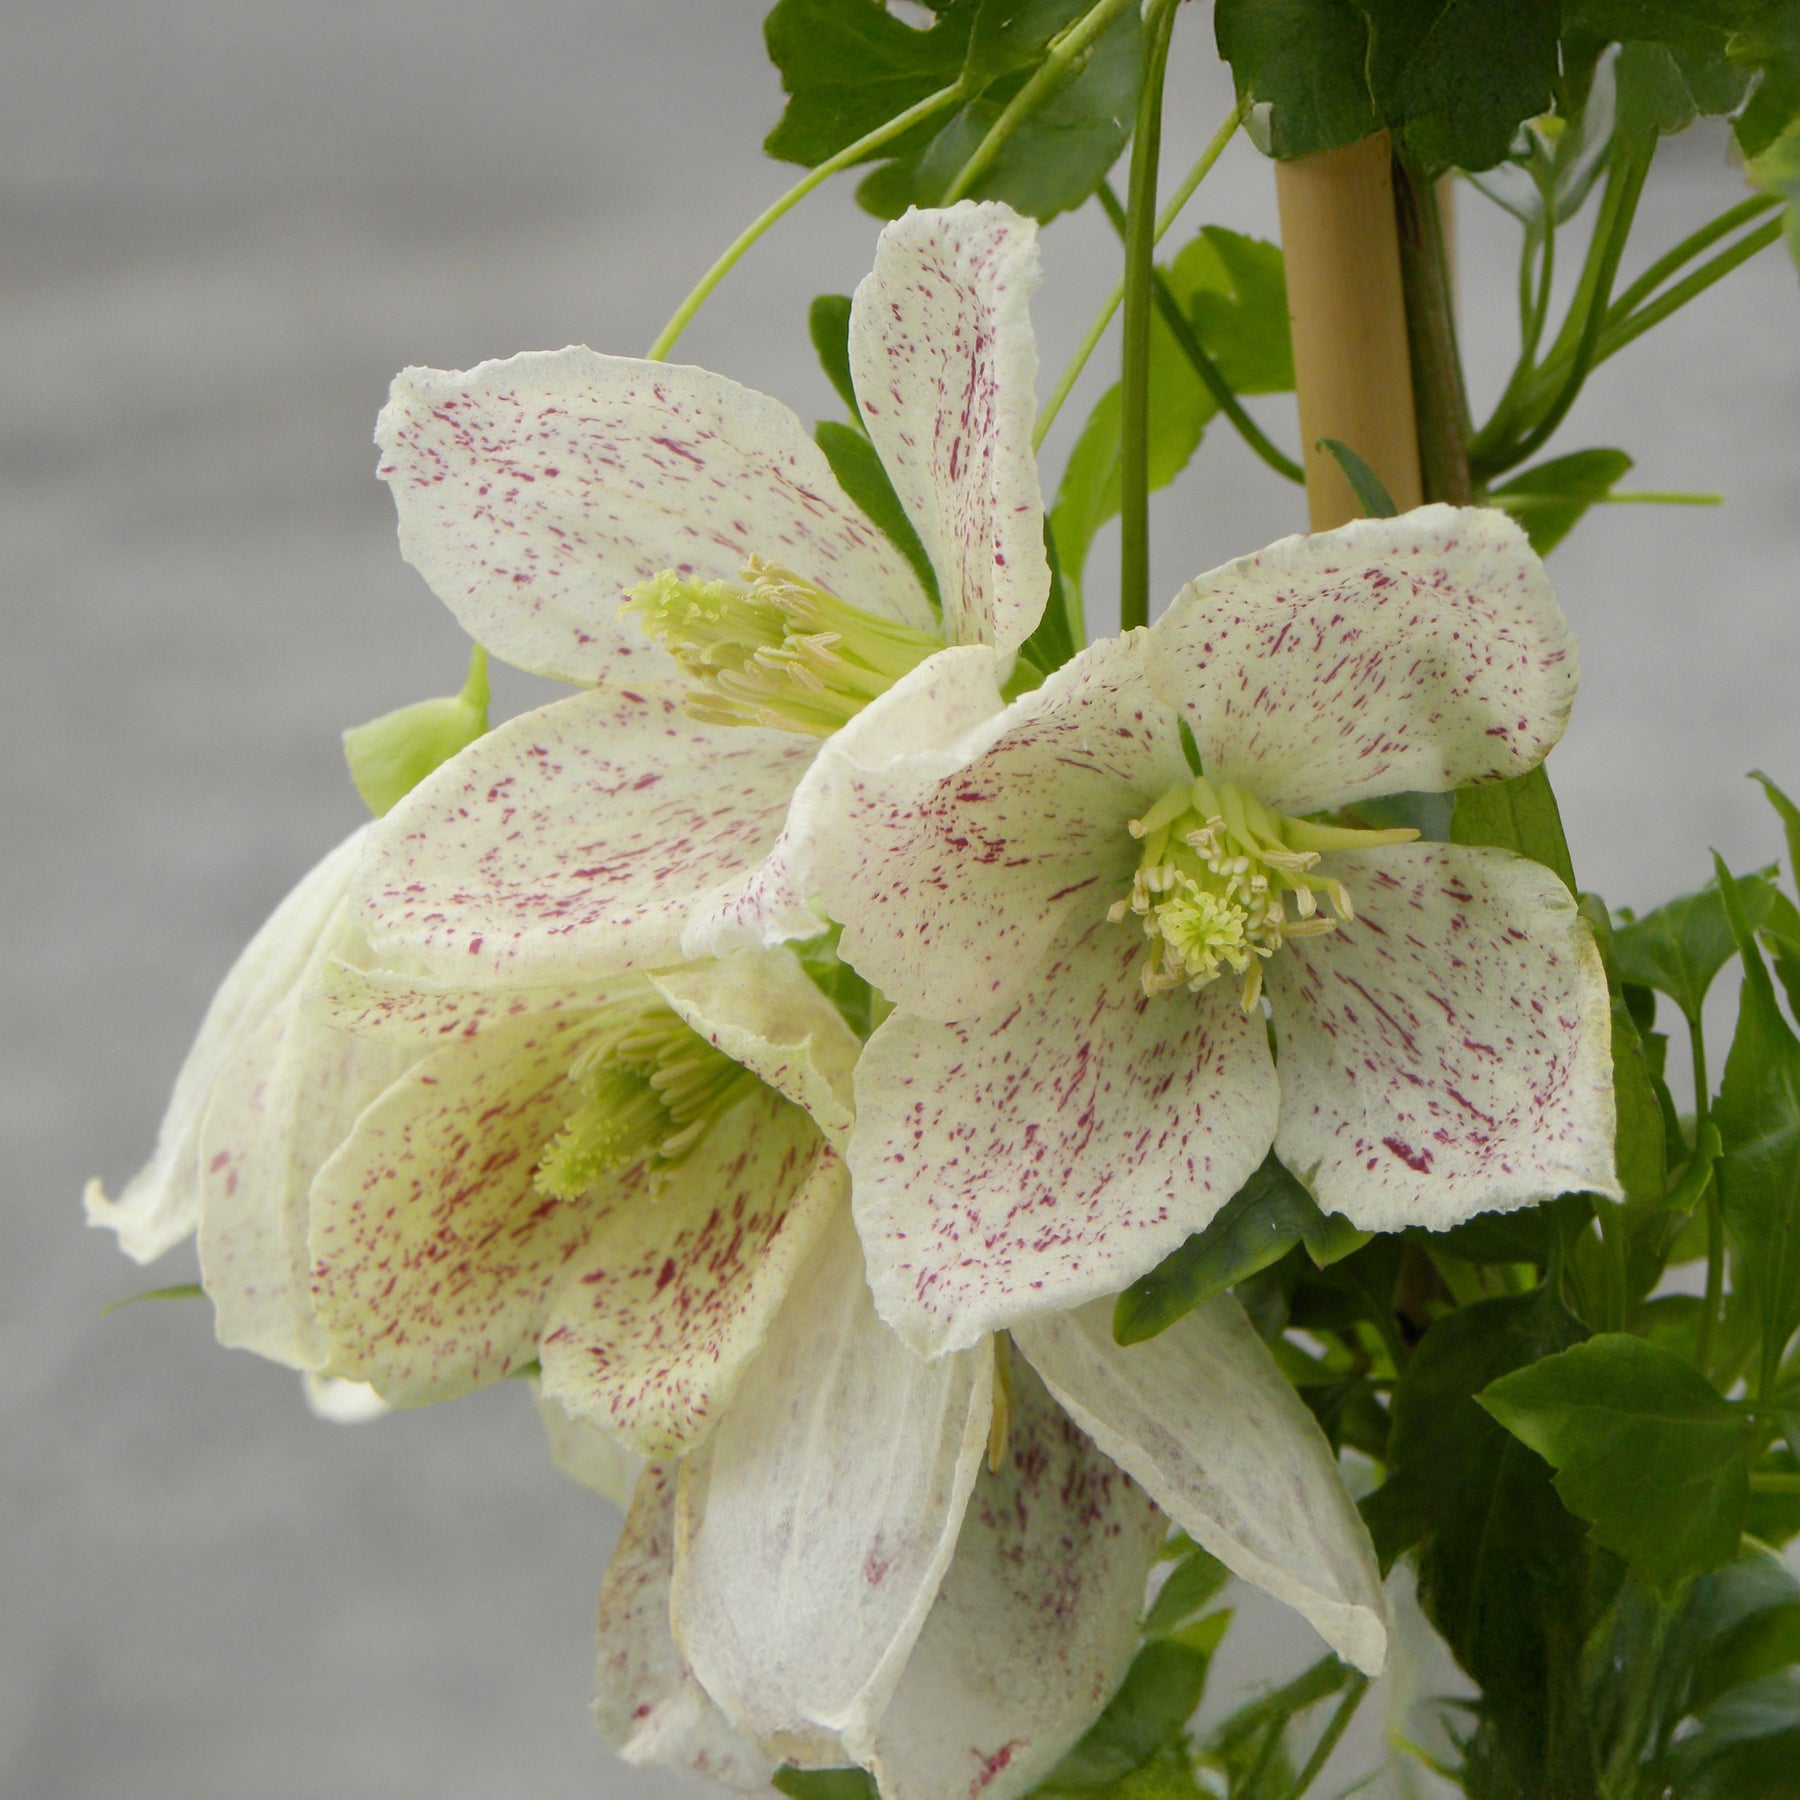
(1345, 301)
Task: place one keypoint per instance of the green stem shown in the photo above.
(1587, 312)
(1440, 404)
(898, 126)
(1656, 497)
(1774, 1481)
(1709, 234)
(1620, 332)
(1339, 1723)
(1168, 308)
(1097, 330)
(1134, 450)
(1714, 1296)
(1063, 60)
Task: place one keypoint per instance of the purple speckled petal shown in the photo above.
(1021, 1165)
(1205, 1420)
(1413, 653)
(434, 1256)
(944, 361)
(573, 841)
(657, 1316)
(533, 493)
(647, 1703)
(761, 1008)
(1035, 1623)
(160, 1205)
(918, 721)
(951, 873)
(818, 1518)
(1450, 1052)
(280, 1108)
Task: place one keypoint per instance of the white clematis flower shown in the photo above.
(640, 823)
(938, 1574)
(1076, 931)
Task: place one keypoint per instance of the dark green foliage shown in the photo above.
(1257, 1226)
(848, 66)
(1681, 946)
(1520, 814)
(1548, 500)
(1758, 1116)
(1644, 1449)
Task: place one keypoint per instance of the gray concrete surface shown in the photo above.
(225, 226)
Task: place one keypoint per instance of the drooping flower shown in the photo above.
(679, 545)
(1076, 925)
(936, 1569)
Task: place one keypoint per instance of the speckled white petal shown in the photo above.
(586, 1454)
(945, 364)
(818, 1519)
(1035, 1624)
(647, 1703)
(919, 721)
(290, 1097)
(395, 1007)
(534, 493)
(434, 1256)
(1413, 653)
(1450, 1052)
(1016, 1166)
(762, 1010)
(651, 1326)
(951, 883)
(573, 841)
(1203, 1418)
(160, 1205)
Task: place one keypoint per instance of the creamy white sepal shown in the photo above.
(647, 1703)
(1036, 1623)
(1203, 1417)
(818, 1518)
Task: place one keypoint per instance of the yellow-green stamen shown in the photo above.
(1224, 881)
(774, 650)
(647, 1088)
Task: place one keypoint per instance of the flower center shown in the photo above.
(1224, 881)
(773, 650)
(647, 1089)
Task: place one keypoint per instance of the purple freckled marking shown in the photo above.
(1417, 1160)
(666, 1274)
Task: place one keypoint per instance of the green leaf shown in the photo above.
(828, 324)
(1681, 946)
(1257, 1226)
(858, 468)
(1520, 814)
(1619, 1420)
(1190, 1584)
(182, 1290)
(1746, 1745)
(1758, 1116)
(1790, 822)
(1766, 44)
(1299, 69)
(1059, 632)
(1154, 1702)
(1775, 1518)
(1372, 496)
(390, 756)
(1252, 1743)
(1548, 500)
(825, 1784)
(1456, 78)
(849, 66)
(1505, 1573)
(1233, 289)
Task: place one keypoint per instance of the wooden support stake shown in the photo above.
(1345, 301)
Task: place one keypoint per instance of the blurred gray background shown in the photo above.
(226, 224)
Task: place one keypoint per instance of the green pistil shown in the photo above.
(647, 1089)
(1224, 881)
(774, 650)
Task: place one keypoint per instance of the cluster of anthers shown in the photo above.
(648, 1087)
(1223, 881)
(774, 650)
